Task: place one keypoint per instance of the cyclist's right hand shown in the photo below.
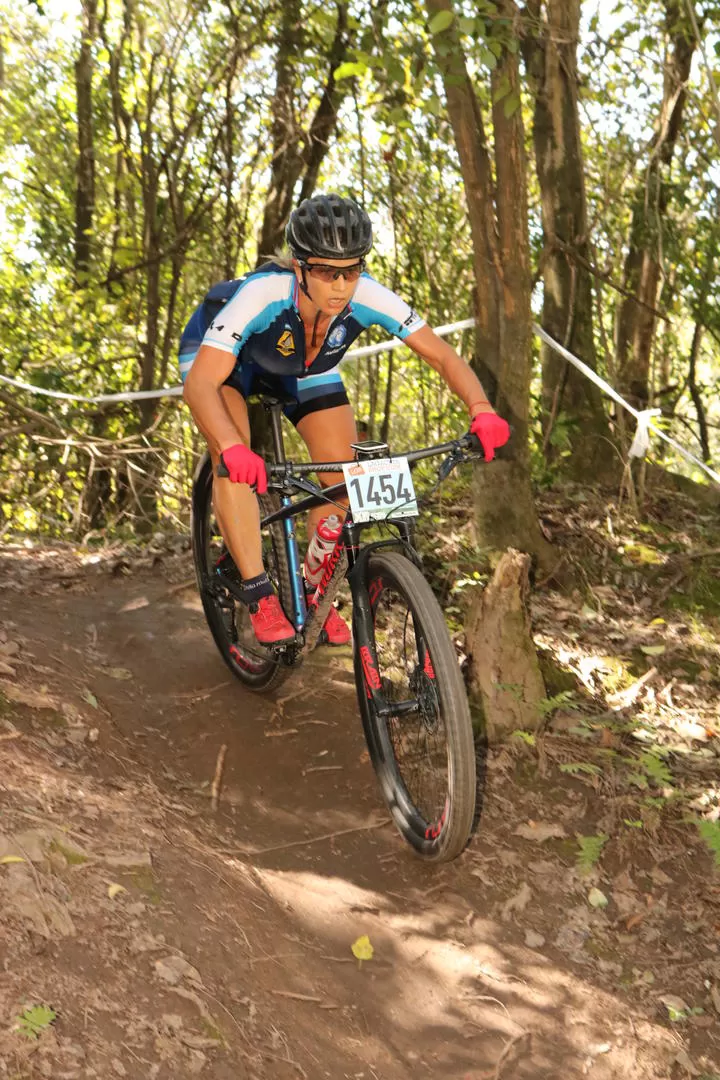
(244, 467)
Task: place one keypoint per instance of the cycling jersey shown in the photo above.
(256, 318)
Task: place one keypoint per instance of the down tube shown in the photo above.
(296, 578)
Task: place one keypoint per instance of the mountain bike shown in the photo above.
(410, 689)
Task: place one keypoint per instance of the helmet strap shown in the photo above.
(303, 283)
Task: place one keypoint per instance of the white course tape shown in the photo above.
(176, 391)
(643, 417)
(641, 441)
(611, 392)
(133, 395)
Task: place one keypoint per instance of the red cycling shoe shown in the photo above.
(269, 622)
(335, 630)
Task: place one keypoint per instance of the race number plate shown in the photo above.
(380, 488)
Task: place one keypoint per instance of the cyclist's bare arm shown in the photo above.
(202, 392)
(461, 379)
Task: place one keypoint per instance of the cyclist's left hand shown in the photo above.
(491, 430)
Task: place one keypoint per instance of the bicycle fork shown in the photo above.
(363, 627)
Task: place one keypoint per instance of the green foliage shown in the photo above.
(35, 1020)
(589, 851)
(573, 768)
(564, 698)
(526, 736)
(655, 767)
(710, 833)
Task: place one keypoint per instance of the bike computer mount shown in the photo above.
(370, 449)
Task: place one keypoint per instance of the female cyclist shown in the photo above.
(291, 325)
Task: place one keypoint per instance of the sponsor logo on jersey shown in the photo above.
(286, 343)
(337, 336)
(412, 318)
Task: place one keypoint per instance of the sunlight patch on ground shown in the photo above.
(436, 980)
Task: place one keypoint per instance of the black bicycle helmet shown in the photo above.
(329, 227)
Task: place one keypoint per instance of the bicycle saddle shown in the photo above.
(270, 392)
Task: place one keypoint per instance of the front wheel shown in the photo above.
(423, 750)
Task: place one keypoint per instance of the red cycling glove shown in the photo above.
(491, 430)
(245, 467)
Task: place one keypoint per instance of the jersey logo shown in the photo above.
(337, 336)
(286, 343)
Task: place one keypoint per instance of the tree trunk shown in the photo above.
(504, 672)
(297, 153)
(635, 330)
(695, 393)
(498, 216)
(385, 426)
(550, 51)
(85, 182)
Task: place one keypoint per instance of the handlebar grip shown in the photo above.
(222, 469)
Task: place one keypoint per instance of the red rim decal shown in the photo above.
(433, 831)
(372, 677)
(376, 587)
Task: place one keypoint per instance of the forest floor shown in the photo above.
(145, 933)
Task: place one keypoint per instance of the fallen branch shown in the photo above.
(310, 840)
(297, 997)
(217, 778)
(511, 1047)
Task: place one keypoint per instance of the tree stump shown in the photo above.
(504, 670)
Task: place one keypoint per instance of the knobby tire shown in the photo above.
(446, 835)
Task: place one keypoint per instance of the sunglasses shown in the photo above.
(323, 272)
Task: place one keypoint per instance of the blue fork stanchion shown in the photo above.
(296, 578)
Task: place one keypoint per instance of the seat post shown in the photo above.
(275, 410)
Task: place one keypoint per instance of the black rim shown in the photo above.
(414, 745)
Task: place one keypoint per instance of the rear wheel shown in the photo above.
(256, 667)
(424, 753)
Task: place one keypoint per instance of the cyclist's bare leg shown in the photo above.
(235, 505)
(328, 434)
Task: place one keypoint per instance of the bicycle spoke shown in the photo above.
(419, 739)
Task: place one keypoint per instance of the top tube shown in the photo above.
(465, 442)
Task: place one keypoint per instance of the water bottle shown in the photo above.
(319, 548)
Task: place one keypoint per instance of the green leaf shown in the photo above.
(652, 650)
(656, 769)
(511, 104)
(87, 695)
(590, 849)
(362, 949)
(440, 22)
(502, 89)
(573, 767)
(349, 70)
(35, 1020)
(710, 832)
(526, 736)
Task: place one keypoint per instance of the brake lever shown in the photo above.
(285, 479)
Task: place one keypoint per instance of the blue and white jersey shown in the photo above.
(256, 318)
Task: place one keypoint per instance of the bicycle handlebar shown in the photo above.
(465, 442)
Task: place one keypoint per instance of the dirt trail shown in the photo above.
(228, 954)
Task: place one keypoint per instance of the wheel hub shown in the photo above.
(423, 688)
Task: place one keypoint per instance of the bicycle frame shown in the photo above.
(347, 559)
(348, 543)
